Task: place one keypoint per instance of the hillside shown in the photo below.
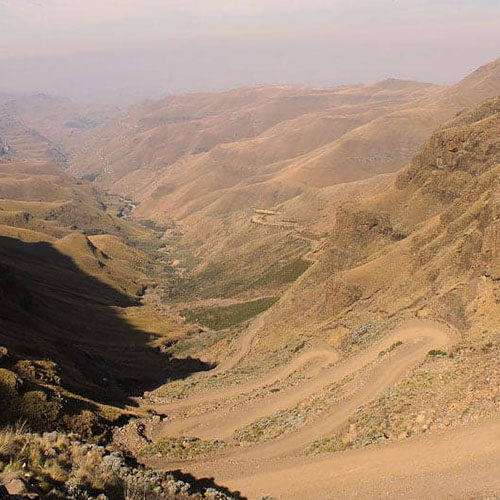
(390, 336)
(215, 281)
(82, 332)
(427, 245)
(77, 334)
(58, 120)
(185, 153)
(199, 164)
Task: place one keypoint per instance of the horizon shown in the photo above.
(120, 51)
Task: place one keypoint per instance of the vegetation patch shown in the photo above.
(391, 348)
(432, 398)
(181, 447)
(219, 318)
(270, 427)
(288, 273)
(438, 353)
(364, 334)
(58, 465)
(327, 445)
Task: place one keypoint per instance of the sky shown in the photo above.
(128, 49)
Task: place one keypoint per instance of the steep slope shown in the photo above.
(179, 155)
(77, 338)
(185, 148)
(82, 333)
(427, 245)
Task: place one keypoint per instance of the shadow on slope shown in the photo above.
(204, 483)
(51, 311)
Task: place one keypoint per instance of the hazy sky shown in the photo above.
(149, 47)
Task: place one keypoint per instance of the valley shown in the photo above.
(270, 292)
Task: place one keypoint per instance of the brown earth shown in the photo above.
(427, 246)
(387, 284)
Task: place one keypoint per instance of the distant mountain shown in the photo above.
(183, 154)
(203, 162)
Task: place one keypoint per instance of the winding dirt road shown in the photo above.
(279, 466)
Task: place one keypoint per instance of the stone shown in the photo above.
(51, 437)
(420, 418)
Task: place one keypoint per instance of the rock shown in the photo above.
(18, 488)
(402, 435)
(51, 437)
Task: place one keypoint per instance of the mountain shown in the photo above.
(76, 330)
(427, 245)
(186, 153)
(390, 337)
(82, 332)
(199, 164)
(211, 282)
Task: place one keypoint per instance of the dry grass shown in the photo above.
(447, 389)
(57, 465)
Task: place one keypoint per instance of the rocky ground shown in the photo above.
(449, 388)
(55, 465)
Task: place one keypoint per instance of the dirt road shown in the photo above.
(455, 464)
(279, 467)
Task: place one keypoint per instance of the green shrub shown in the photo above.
(219, 318)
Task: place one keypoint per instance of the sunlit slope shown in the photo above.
(199, 164)
(190, 153)
(427, 245)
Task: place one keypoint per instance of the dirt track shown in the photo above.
(279, 467)
(454, 464)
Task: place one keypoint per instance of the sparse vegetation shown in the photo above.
(431, 399)
(219, 318)
(286, 274)
(181, 447)
(438, 353)
(56, 465)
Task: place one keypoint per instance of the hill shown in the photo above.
(78, 337)
(426, 245)
(374, 343)
(82, 332)
(199, 164)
